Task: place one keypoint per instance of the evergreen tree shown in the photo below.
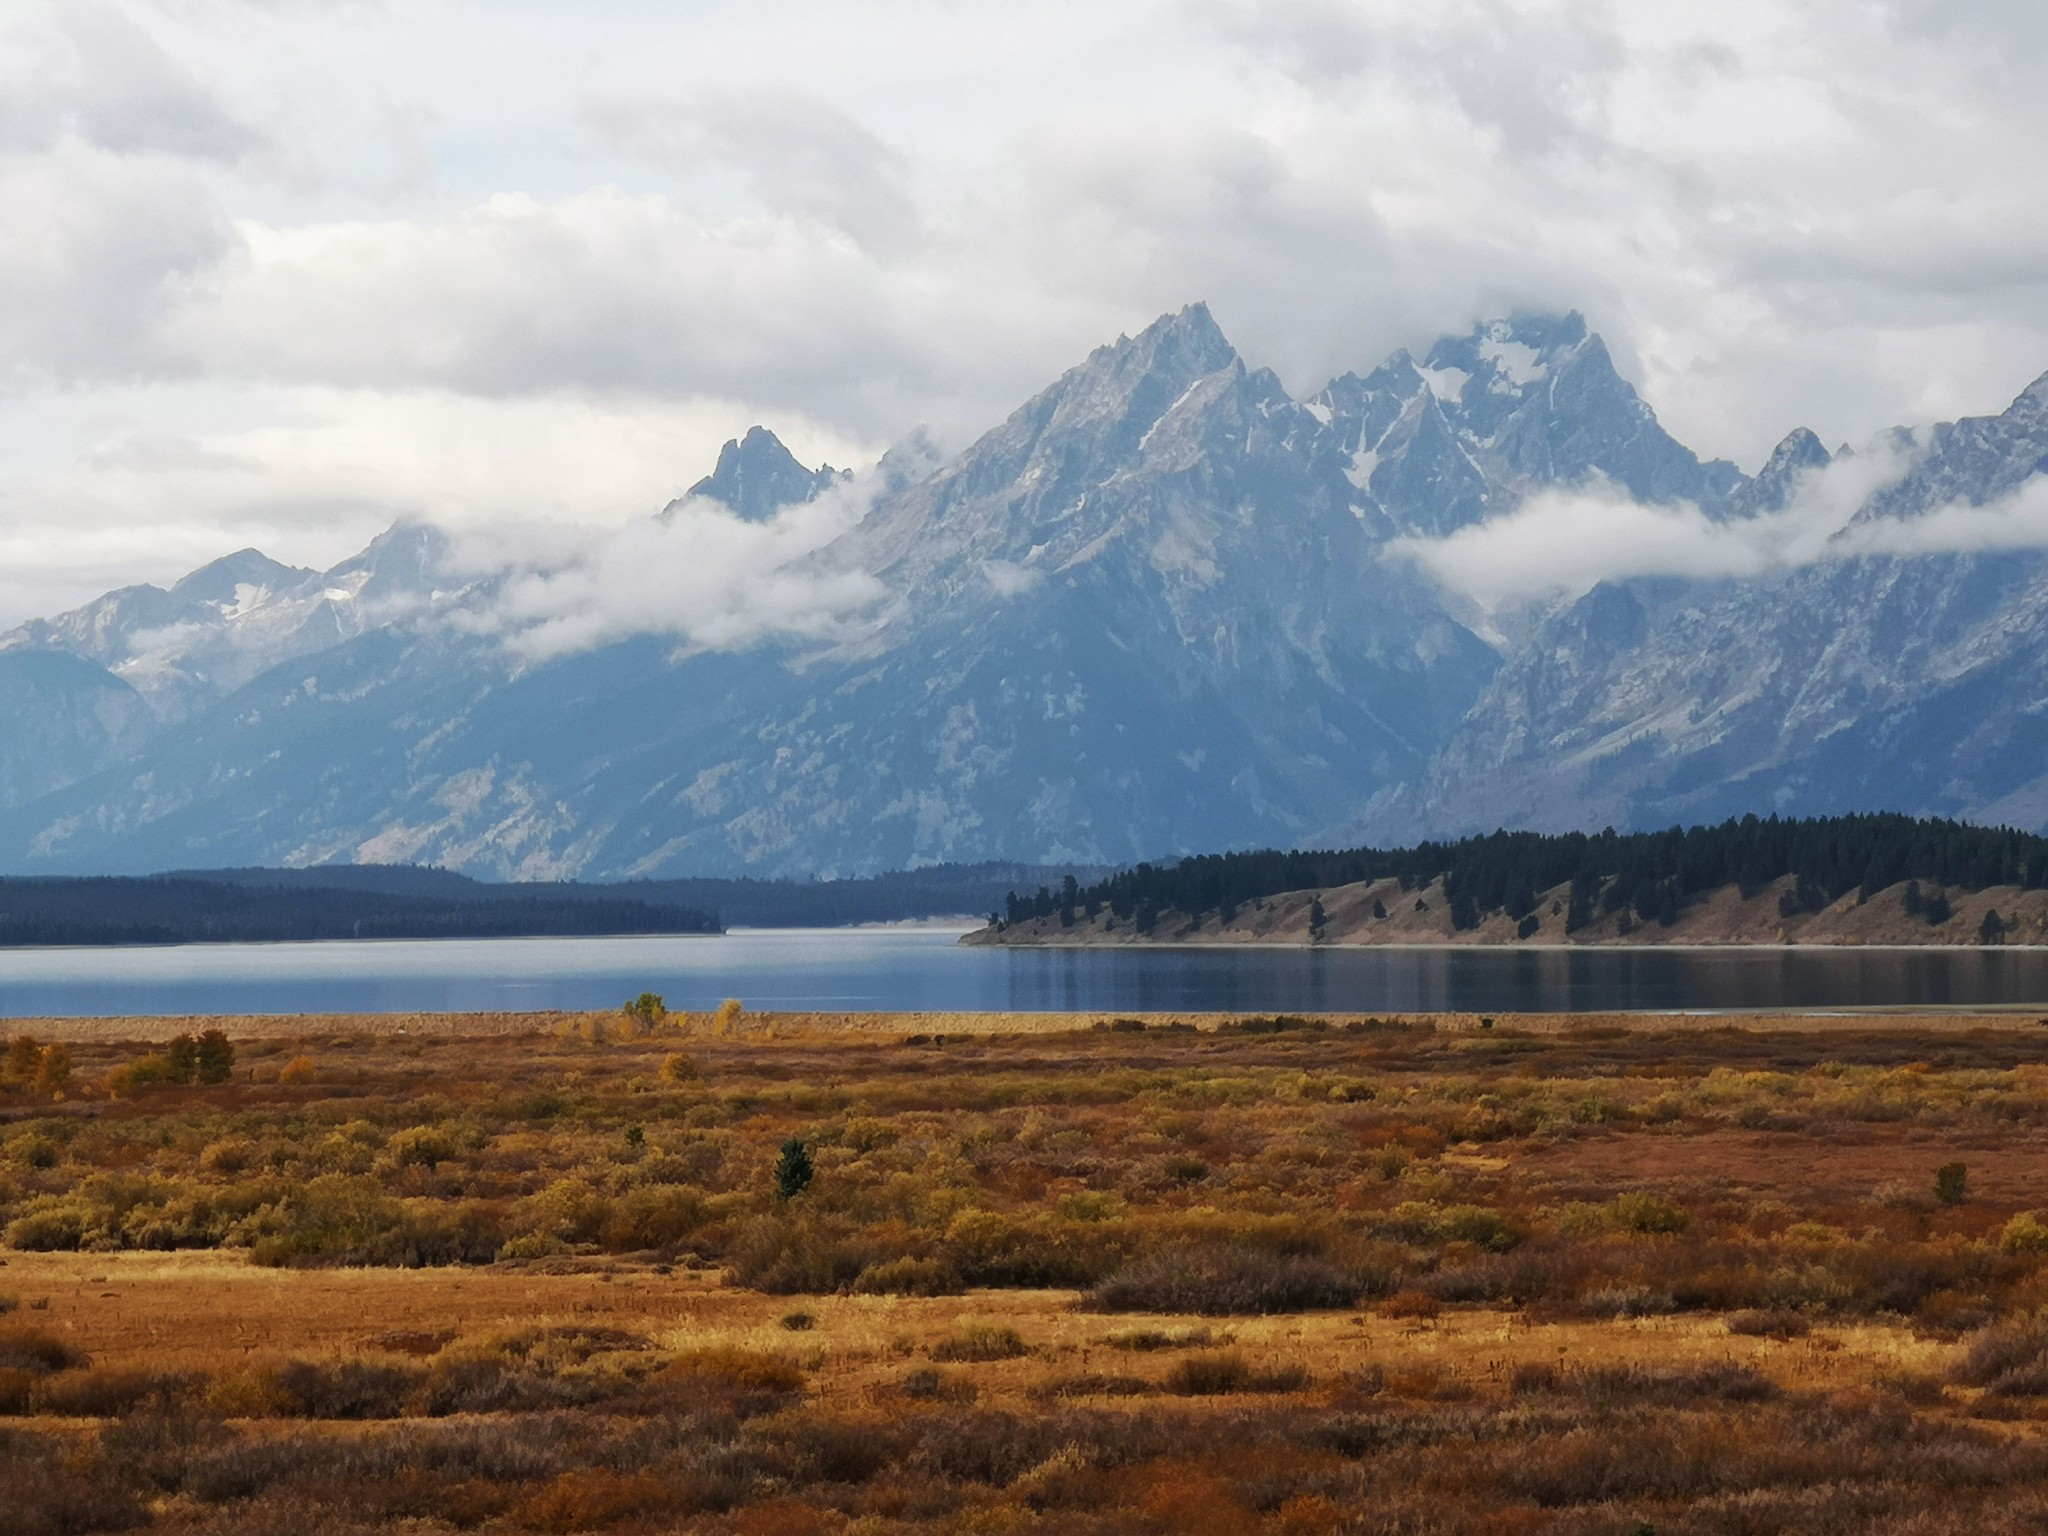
(182, 1054)
(213, 1057)
(793, 1170)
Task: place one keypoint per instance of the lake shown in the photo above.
(925, 969)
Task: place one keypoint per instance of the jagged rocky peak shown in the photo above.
(1508, 356)
(756, 477)
(1124, 388)
(1800, 454)
(1094, 419)
(405, 559)
(2032, 402)
(1972, 462)
(226, 579)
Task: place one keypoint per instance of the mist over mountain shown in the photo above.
(1163, 607)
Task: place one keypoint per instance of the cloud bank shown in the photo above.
(710, 579)
(1560, 544)
(846, 221)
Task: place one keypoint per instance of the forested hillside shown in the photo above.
(1645, 876)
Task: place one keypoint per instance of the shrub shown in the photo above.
(1225, 1281)
(1147, 1340)
(657, 1217)
(53, 1074)
(47, 1494)
(788, 1258)
(18, 1390)
(24, 1347)
(1213, 1375)
(49, 1226)
(646, 1011)
(344, 1389)
(2008, 1361)
(1768, 1323)
(981, 1342)
(1412, 1303)
(33, 1151)
(104, 1393)
(1952, 1183)
(679, 1069)
(747, 1370)
(143, 1072)
(231, 1156)
(990, 1248)
(590, 1498)
(1641, 1211)
(927, 1383)
(420, 1146)
(1673, 1385)
(1480, 1226)
(24, 1060)
(336, 1218)
(299, 1069)
(2025, 1233)
(909, 1277)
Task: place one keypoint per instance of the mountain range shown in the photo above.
(1161, 608)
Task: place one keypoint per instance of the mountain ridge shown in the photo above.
(1149, 613)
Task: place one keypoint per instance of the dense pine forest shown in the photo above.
(1649, 876)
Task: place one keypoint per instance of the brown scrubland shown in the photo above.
(1261, 1275)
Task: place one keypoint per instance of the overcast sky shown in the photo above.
(278, 272)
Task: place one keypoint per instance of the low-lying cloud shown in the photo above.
(1560, 544)
(710, 579)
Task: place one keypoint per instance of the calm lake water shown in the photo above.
(888, 970)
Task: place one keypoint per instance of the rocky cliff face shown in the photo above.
(1146, 614)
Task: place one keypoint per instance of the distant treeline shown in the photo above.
(405, 901)
(1648, 875)
(943, 890)
(939, 890)
(193, 910)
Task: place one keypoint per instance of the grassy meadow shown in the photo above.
(1266, 1275)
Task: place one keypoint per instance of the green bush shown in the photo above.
(1952, 1183)
(1479, 1225)
(1641, 1211)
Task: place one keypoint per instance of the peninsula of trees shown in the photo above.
(1841, 879)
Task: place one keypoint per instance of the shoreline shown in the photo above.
(1605, 946)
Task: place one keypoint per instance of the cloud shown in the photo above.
(713, 580)
(1560, 544)
(2016, 521)
(80, 70)
(1563, 543)
(856, 219)
(801, 155)
(101, 251)
(105, 491)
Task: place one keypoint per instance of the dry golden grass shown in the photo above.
(1595, 1276)
(310, 1031)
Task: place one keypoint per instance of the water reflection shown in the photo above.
(867, 970)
